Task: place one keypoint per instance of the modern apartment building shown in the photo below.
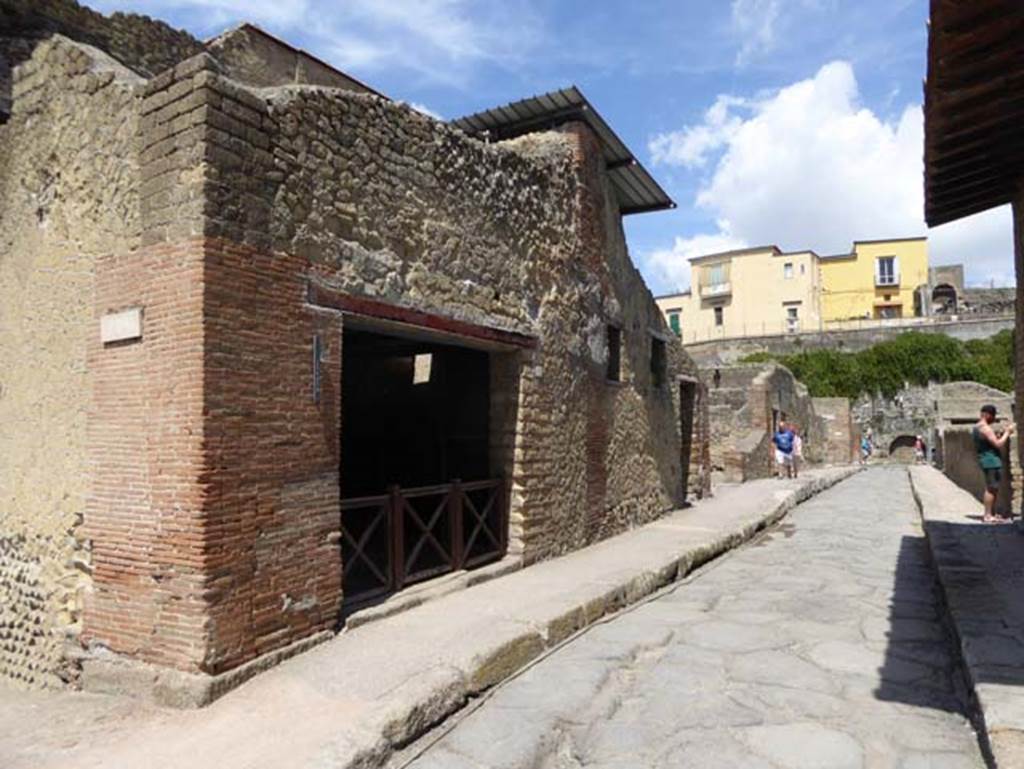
(877, 279)
(764, 290)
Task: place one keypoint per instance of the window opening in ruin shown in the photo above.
(944, 299)
(719, 316)
(658, 362)
(422, 365)
(614, 373)
(420, 493)
(688, 395)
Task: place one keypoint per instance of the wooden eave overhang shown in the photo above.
(973, 107)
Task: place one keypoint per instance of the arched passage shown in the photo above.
(944, 299)
(902, 448)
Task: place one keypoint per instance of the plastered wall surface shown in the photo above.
(68, 196)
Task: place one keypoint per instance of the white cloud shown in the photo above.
(691, 146)
(810, 167)
(754, 22)
(670, 266)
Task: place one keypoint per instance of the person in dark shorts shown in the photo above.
(990, 449)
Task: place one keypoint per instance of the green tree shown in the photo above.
(911, 358)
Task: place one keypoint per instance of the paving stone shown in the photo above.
(806, 746)
(757, 664)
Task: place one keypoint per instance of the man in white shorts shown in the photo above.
(783, 440)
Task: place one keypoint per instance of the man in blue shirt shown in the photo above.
(783, 441)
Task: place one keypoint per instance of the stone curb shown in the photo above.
(999, 708)
(399, 725)
(106, 673)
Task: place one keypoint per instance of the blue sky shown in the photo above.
(795, 122)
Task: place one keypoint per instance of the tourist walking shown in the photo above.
(783, 442)
(919, 449)
(866, 447)
(989, 447)
(798, 449)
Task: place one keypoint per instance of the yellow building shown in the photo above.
(877, 279)
(748, 292)
(764, 290)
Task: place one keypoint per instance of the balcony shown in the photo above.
(713, 290)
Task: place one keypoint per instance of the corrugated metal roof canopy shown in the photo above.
(634, 186)
(973, 107)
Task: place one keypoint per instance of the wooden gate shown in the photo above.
(409, 535)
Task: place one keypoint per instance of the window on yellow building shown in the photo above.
(887, 271)
(719, 318)
(787, 270)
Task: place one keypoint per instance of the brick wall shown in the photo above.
(271, 455)
(146, 514)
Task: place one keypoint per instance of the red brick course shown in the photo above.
(215, 505)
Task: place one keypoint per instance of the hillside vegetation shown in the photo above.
(913, 358)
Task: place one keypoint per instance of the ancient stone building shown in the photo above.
(747, 401)
(271, 345)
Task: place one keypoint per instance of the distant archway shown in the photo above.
(902, 448)
(944, 299)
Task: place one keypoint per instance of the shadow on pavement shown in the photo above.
(982, 568)
(921, 664)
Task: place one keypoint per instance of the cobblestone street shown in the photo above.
(818, 646)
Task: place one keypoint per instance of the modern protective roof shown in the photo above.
(635, 188)
(973, 107)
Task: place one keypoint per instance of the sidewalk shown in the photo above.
(981, 570)
(349, 701)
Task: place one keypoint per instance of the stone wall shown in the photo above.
(142, 44)
(68, 198)
(989, 301)
(728, 351)
(925, 411)
(746, 400)
(842, 436)
(960, 464)
(213, 508)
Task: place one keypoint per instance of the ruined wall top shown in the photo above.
(143, 44)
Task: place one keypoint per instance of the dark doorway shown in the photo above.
(944, 300)
(413, 413)
(687, 407)
(420, 495)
